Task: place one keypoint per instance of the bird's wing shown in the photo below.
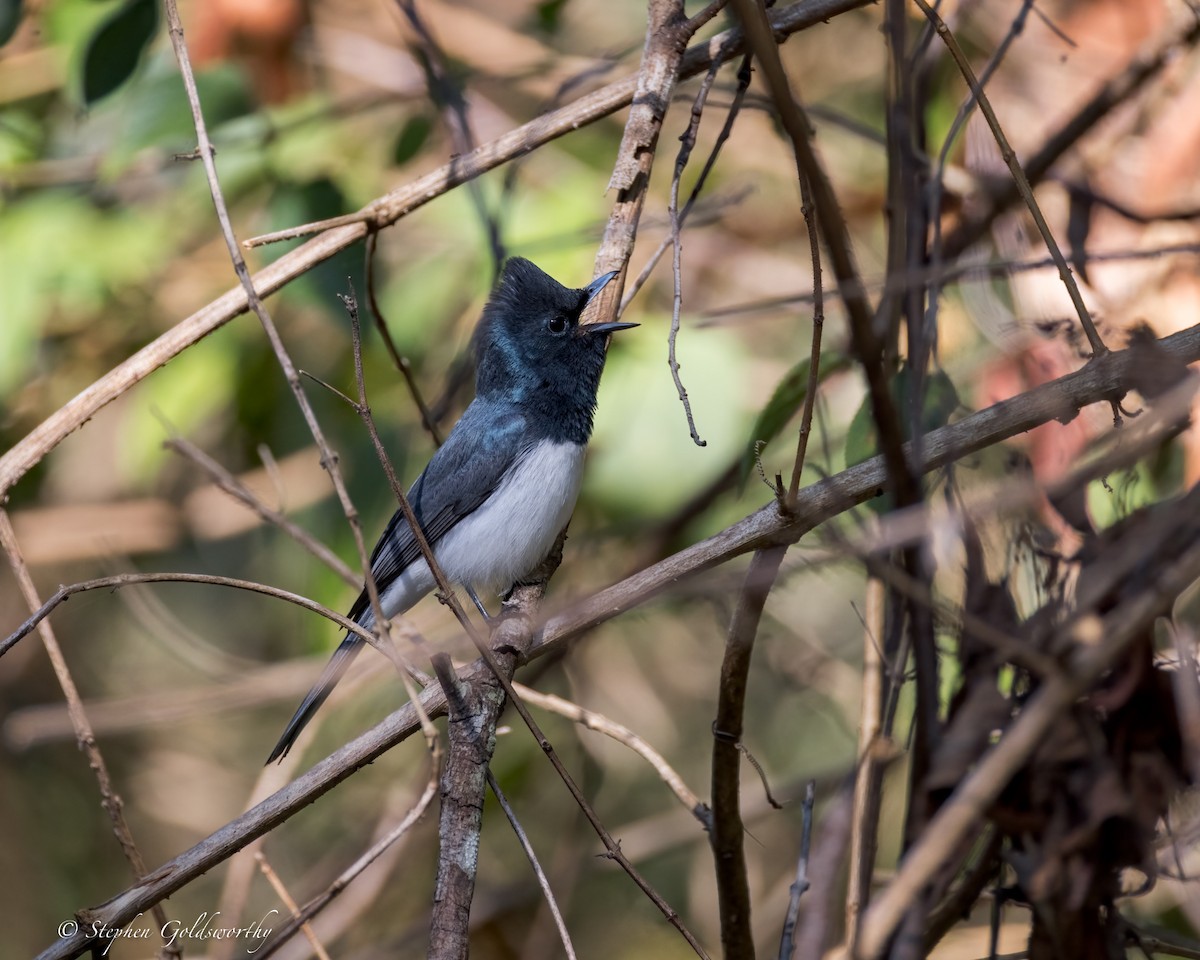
(463, 473)
(487, 440)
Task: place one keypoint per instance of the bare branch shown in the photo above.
(286, 899)
(245, 496)
(728, 833)
(115, 581)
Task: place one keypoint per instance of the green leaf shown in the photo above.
(411, 139)
(862, 439)
(10, 19)
(785, 402)
(158, 114)
(115, 48)
(549, 15)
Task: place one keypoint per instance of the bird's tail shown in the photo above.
(338, 664)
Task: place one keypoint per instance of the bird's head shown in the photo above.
(530, 337)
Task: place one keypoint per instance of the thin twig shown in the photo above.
(814, 357)
(64, 593)
(446, 592)
(288, 901)
(226, 481)
(826, 861)
(801, 884)
(563, 934)
(731, 115)
(448, 95)
(622, 734)
(868, 779)
(686, 143)
(938, 181)
(239, 877)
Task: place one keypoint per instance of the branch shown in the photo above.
(543, 881)
(686, 145)
(801, 884)
(592, 720)
(115, 581)
(868, 778)
(728, 833)
(244, 495)
(473, 709)
(667, 34)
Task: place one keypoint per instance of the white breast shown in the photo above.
(509, 534)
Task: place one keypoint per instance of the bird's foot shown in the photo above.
(487, 617)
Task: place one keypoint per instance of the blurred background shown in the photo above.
(108, 238)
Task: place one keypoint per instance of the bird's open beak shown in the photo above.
(592, 328)
(598, 284)
(591, 290)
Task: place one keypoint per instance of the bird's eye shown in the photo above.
(557, 325)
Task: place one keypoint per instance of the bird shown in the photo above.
(495, 496)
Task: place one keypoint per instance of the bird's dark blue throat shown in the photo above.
(532, 351)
